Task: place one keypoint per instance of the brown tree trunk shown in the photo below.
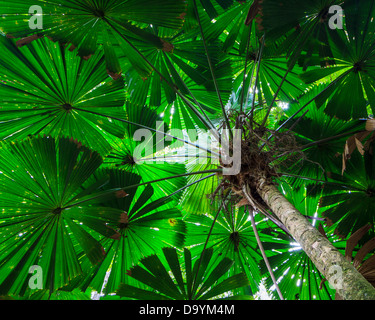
(339, 272)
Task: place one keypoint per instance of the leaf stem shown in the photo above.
(206, 242)
(212, 69)
(244, 72)
(173, 86)
(257, 77)
(260, 244)
(213, 171)
(264, 253)
(161, 200)
(195, 100)
(328, 139)
(149, 128)
(349, 187)
(306, 104)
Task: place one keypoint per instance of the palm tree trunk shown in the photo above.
(339, 272)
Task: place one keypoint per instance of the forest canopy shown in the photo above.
(187, 149)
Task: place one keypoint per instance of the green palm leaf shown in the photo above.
(42, 83)
(302, 28)
(298, 277)
(212, 8)
(198, 198)
(142, 226)
(143, 151)
(354, 53)
(318, 152)
(182, 78)
(40, 185)
(75, 294)
(348, 199)
(182, 286)
(232, 237)
(85, 24)
(272, 70)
